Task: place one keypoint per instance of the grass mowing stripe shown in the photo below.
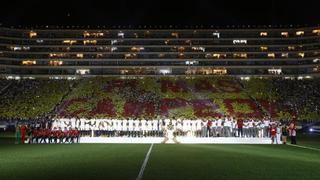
(139, 177)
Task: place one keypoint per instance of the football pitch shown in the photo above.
(165, 162)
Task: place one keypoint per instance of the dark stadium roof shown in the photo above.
(162, 12)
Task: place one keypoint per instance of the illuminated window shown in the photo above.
(316, 31)
(137, 49)
(135, 35)
(284, 34)
(85, 42)
(56, 55)
(284, 55)
(316, 60)
(124, 71)
(301, 54)
(55, 63)
(264, 48)
(219, 71)
(79, 55)
(316, 69)
(216, 34)
(113, 49)
(121, 34)
(130, 56)
(15, 48)
(274, 71)
(70, 42)
(291, 48)
(239, 41)
(175, 34)
(271, 55)
(39, 41)
(181, 55)
(191, 62)
(99, 55)
(263, 34)
(240, 55)
(161, 55)
(32, 34)
(181, 49)
(219, 56)
(114, 42)
(25, 48)
(147, 34)
(166, 42)
(199, 49)
(165, 71)
(300, 33)
(83, 71)
(29, 62)
(92, 34)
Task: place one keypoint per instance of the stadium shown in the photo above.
(159, 101)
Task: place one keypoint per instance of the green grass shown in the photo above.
(167, 162)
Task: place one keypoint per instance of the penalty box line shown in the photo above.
(139, 177)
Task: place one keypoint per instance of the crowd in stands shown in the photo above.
(115, 97)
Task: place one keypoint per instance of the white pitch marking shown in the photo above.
(144, 164)
(305, 147)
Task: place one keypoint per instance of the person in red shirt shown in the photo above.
(77, 133)
(34, 136)
(240, 127)
(41, 135)
(51, 135)
(72, 135)
(23, 130)
(273, 132)
(66, 135)
(60, 135)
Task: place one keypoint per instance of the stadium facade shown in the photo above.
(69, 53)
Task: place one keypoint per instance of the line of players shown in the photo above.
(219, 127)
(55, 135)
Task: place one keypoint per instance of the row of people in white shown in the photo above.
(217, 127)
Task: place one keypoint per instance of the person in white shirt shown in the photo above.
(278, 136)
(174, 124)
(155, 128)
(227, 127)
(130, 128)
(266, 129)
(234, 127)
(136, 127)
(143, 127)
(179, 127)
(261, 128)
(219, 127)
(214, 128)
(193, 127)
(256, 128)
(246, 128)
(149, 127)
(251, 130)
(125, 127)
(198, 127)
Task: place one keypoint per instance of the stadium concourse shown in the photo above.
(165, 109)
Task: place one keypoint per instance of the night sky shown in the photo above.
(161, 12)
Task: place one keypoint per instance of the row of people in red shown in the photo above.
(45, 135)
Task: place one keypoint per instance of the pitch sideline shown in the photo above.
(139, 177)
